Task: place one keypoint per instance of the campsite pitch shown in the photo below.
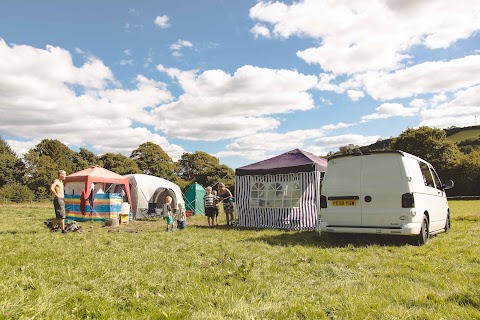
(139, 271)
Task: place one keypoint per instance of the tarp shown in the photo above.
(194, 198)
(149, 192)
(80, 183)
(289, 162)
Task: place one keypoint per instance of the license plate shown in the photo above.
(338, 203)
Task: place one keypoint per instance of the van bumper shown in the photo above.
(408, 229)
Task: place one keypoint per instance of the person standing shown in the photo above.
(227, 199)
(58, 201)
(217, 200)
(181, 216)
(209, 203)
(168, 214)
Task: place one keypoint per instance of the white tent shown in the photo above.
(149, 192)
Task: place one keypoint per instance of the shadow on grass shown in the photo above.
(18, 232)
(313, 239)
(219, 227)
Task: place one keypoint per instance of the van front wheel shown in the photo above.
(424, 236)
(447, 223)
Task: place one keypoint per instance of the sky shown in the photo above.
(241, 80)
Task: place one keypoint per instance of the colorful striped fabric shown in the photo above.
(303, 217)
(107, 206)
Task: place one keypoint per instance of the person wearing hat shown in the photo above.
(58, 201)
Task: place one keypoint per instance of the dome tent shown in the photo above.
(149, 192)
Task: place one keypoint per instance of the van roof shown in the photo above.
(356, 154)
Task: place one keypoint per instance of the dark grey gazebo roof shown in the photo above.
(289, 162)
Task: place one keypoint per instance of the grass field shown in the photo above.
(464, 135)
(139, 271)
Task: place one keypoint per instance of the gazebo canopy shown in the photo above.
(289, 162)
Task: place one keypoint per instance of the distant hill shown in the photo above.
(461, 134)
(455, 134)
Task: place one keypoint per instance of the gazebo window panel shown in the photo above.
(292, 195)
(274, 195)
(257, 195)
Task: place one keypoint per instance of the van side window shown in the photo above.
(437, 179)
(427, 175)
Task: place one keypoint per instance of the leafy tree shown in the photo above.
(16, 192)
(89, 158)
(349, 149)
(12, 169)
(194, 166)
(466, 174)
(44, 161)
(204, 169)
(220, 173)
(119, 164)
(427, 143)
(151, 159)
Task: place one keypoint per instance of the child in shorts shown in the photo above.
(168, 214)
(209, 203)
(181, 216)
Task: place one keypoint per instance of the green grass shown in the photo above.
(464, 135)
(139, 271)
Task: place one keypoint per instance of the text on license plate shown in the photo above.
(344, 203)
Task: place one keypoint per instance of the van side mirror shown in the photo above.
(448, 184)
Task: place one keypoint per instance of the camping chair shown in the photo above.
(152, 212)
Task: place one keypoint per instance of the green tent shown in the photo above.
(194, 198)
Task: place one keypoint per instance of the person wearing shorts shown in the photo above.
(227, 200)
(57, 189)
(181, 217)
(168, 214)
(217, 200)
(209, 203)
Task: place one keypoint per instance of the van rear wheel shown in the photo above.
(424, 236)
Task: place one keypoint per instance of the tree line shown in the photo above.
(32, 176)
(458, 162)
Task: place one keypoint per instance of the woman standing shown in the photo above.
(227, 199)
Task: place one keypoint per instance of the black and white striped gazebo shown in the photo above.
(282, 192)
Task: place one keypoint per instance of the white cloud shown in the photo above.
(179, 45)
(418, 103)
(462, 110)
(267, 144)
(162, 21)
(260, 30)
(37, 85)
(438, 98)
(334, 142)
(126, 62)
(388, 110)
(359, 36)
(355, 95)
(233, 105)
(428, 77)
(22, 147)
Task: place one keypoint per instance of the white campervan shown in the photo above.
(384, 192)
